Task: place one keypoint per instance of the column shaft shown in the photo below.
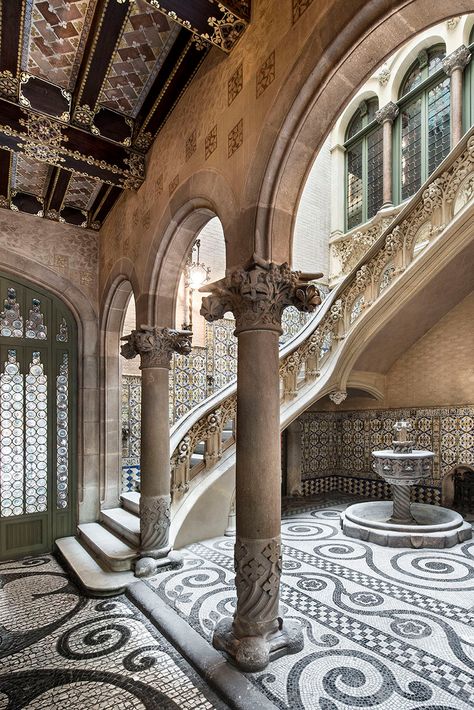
(456, 105)
(387, 164)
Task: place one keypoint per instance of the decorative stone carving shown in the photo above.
(338, 396)
(258, 294)
(459, 59)
(453, 22)
(389, 112)
(257, 628)
(154, 525)
(156, 345)
(384, 75)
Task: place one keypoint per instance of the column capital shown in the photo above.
(389, 112)
(459, 59)
(258, 293)
(155, 345)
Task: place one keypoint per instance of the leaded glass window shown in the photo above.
(424, 120)
(364, 165)
(37, 336)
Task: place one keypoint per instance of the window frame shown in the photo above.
(421, 91)
(362, 135)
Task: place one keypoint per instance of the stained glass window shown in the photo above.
(12, 440)
(424, 120)
(364, 165)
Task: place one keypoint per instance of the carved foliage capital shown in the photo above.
(389, 112)
(156, 345)
(257, 295)
(459, 59)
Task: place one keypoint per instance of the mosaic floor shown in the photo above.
(384, 629)
(59, 649)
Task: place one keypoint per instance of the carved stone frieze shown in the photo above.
(155, 345)
(258, 294)
(389, 112)
(257, 579)
(459, 59)
(154, 524)
(407, 471)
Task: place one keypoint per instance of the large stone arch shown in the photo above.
(203, 196)
(121, 286)
(87, 372)
(314, 94)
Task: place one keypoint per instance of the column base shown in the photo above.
(253, 653)
(149, 566)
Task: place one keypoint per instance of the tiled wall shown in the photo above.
(337, 446)
(131, 408)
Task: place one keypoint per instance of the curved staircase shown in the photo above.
(428, 241)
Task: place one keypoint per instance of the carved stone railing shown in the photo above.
(346, 250)
(423, 220)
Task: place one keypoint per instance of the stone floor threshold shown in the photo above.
(231, 685)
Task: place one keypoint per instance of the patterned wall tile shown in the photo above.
(235, 84)
(266, 74)
(131, 430)
(210, 143)
(235, 138)
(144, 45)
(299, 7)
(191, 143)
(55, 38)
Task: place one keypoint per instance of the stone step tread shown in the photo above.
(105, 543)
(89, 572)
(122, 522)
(131, 502)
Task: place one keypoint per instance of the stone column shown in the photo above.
(257, 296)
(454, 65)
(293, 469)
(155, 347)
(386, 116)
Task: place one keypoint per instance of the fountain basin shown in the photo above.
(435, 527)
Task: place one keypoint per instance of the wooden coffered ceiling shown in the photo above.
(85, 86)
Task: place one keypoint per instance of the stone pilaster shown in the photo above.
(155, 347)
(454, 65)
(257, 296)
(386, 116)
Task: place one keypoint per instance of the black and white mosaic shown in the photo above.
(60, 649)
(384, 629)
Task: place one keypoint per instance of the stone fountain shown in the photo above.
(400, 523)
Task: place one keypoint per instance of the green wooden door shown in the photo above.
(37, 419)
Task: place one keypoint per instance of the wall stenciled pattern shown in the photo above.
(339, 444)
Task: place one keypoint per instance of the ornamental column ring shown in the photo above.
(156, 345)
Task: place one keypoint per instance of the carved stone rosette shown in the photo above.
(257, 629)
(156, 345)
(258, 294)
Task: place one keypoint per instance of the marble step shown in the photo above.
(123, 523)
(131, 502)
(88, 572)
(110, 550)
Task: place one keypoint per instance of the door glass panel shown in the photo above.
(36, 437)
(12, 441)
(11, 322)
(62, 433)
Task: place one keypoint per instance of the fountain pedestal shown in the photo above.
(400, 523)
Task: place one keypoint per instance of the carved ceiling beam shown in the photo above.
(5, 177)
(211, 22)
(11, 39)
(68, 147)
(56, 191)
(105, 200)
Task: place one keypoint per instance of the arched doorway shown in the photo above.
(38, 353)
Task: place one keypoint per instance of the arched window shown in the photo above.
(37, 422)
(424, 120)
(468, 90)
(364, 165)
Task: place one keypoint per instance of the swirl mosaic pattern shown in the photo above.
(383, 628)
(59, 649)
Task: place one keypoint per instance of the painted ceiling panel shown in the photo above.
(143, 47)
(81, 191)
(29, 175)
(55, 37)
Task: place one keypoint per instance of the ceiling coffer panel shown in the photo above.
(85, 86)
(55, 37)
